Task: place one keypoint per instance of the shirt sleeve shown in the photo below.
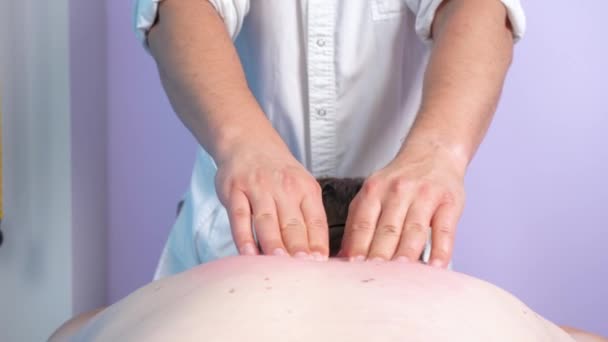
(425, 14)
(232, 12)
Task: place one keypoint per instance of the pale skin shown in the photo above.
(263, 187)
(369, 301)
(424, 185)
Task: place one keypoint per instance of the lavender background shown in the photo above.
(536, 221)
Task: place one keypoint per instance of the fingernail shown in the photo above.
(377, 259)
(318, 256)
(357, 258)
(248, 249)
(436, 263)
(301, 255)
(279, 252)
(403, 259)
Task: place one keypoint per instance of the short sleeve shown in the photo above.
(425, 14)
(232, 12)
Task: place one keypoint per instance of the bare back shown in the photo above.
(282, 299)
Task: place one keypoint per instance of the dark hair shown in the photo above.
(337, 195)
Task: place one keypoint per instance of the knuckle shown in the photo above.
(288, 180)
(425, 190)
(448, 197)
(316, 224)
(265, 216)
(370, 187)
(363, 226)
(240, 212)
(258, 177)
(291, 225)
(314, 188)
(236, 184)
(444, 230)
(225, 187)
(415, 227)
(400, 186)
(389, 230)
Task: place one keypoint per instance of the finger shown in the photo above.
(316, 225)
(239, 215)
(389, 230)
(415, 230)
(266, 225)
(293, 231)
(361, 222)
(444, 225)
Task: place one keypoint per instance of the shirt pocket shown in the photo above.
(388, 9)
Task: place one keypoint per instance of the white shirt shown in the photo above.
(341, 82)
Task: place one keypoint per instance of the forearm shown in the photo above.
(202, 75)
(472, 51)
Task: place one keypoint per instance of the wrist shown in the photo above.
(430, 147)
(254, 133)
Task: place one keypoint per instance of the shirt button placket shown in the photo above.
(321, 87)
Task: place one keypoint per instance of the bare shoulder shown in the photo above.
(68, 329)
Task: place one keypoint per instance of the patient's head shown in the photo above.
(337, 195)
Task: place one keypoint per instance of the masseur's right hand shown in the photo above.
(264, 188)
(260, 183)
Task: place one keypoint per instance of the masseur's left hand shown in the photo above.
(390, 218)
(423, 186)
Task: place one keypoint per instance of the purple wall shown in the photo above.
(536, 219)
(150, 156)
(88, 107)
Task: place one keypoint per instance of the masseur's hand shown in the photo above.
(260, 182)
(390, 217)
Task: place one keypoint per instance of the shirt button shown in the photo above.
(321, 42)
(321, 112)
